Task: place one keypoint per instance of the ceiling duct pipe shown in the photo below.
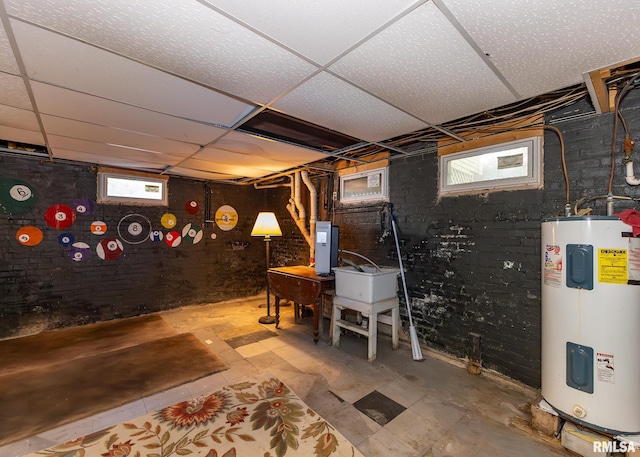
(313, 215)
(295, 207)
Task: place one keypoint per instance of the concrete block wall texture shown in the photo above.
(42, 288)
(473, 262)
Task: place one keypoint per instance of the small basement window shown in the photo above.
(513, 165)
(368, 185)
(132, 188)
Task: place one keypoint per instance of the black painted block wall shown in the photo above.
(41, 287)
(473, 262)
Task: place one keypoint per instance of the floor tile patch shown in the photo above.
(378, 407)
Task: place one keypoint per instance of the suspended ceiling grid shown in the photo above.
(171, 86)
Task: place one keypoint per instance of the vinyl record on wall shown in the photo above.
(98, 228)
(134, 228)
(84, 205)
(66, 239)
(79, 251)
(156, 235)
(191, 207)
(173, 239)
(109, 249)
(226, 217)
(60, 216)
(16, 196)
(168, 220)
(29, 235)
(192, 233)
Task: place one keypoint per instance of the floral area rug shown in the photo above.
(256, 418)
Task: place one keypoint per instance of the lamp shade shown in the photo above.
(266, 225)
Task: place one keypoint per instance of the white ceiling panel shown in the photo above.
(60, 153)
(320, 31)
(202, 174)
(245, 160)
(422, 65)
(91, 132)
(252, 145)
(13, 92)
(95, 110)
(90, 147)
(183, 37)
(542, 45)
(348, 110)
(18, 118)
(128, 81)
(7, 60)
(84, 68)
(236, 170)
(21, 135)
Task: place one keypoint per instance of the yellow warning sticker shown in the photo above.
(613, 266)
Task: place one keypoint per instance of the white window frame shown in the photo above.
(105, 197)
(533, 179)
(380, 175)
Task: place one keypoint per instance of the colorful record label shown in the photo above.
(173, 239)
(98, 228)
(79, 251)
(191, 207)
(156, 235)
(29, 235)
(168, 220)
(60, 216)
(134, 228)
(84, 205)
(16, 196)
(226, 217)
(109, 249)
(66, 239)
(192, 233)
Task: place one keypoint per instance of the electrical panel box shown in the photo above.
(327, 237)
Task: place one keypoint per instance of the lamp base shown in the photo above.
(267, 320)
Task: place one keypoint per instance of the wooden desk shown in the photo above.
(301, 285)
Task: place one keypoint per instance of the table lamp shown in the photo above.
(267, 226)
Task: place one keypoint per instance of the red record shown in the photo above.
(60, 216)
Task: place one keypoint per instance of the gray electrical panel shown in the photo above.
(327, 237)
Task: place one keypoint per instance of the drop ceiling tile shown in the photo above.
(61, 102)
(18, 118)
(422, 65)
(244, 143)
(202, 174)
(318, 30)
(215, 155)
(237, 170)
(69, 63)
(13, 92)
(85, 131)
(59, 153)
(7, 59)
(330, 102)
(109, 150)
(544, 46)
(183, 37)
(21, 135)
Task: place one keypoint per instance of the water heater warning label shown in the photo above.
(552, 274)
(604, 367)
(613, 266)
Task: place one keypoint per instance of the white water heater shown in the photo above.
(591, 322)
